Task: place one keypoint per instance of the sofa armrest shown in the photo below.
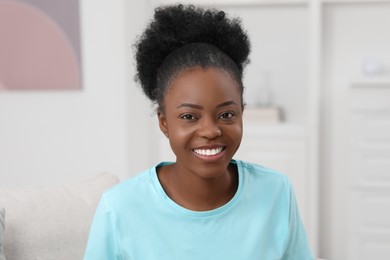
(51, 222)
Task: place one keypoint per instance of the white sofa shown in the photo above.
(49, 223)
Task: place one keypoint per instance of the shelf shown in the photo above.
(281, 130)
(234, 2)
(353, 1)
(371, 82)
(263, 2)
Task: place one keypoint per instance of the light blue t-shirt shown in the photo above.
(136, 220)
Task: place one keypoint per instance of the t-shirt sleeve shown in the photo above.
(297, 244)
(102, 241)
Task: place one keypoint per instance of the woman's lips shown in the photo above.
(209, 152)
(212, 154)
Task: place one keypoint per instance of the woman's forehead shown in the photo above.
(203, 84)
(198, 77)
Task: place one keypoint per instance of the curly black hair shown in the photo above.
(181, 37)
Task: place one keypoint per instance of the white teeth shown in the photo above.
(208, 152)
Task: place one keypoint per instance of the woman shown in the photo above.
(205, 205)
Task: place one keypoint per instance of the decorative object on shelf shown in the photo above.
(40, 45)
(372, 67)
(259, 93)
(373, 75)
(259, 101)
(265, 114)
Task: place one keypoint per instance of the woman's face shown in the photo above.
(202, 118)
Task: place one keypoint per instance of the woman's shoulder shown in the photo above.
(257, 172)
(133, 186)
(265, 183)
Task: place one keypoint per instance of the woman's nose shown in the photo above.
(209, 129)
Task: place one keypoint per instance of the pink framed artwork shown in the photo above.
(40, 45)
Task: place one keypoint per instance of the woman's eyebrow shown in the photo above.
(191, 106)
(227, 103)
(224, 104)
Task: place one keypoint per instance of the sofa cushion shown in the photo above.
(2, 228)
(51, 222)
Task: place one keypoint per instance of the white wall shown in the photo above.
(143, 127)
(55, 137)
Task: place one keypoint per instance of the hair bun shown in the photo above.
(175, 26)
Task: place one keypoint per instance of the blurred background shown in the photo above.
(317, 93)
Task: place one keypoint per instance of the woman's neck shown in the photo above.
(196, 193)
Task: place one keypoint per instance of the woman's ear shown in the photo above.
(162, 122)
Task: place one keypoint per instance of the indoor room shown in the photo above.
(74, 120)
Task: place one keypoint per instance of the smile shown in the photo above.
(209, 152)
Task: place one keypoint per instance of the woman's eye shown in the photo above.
(188, 117)
(226, 115)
